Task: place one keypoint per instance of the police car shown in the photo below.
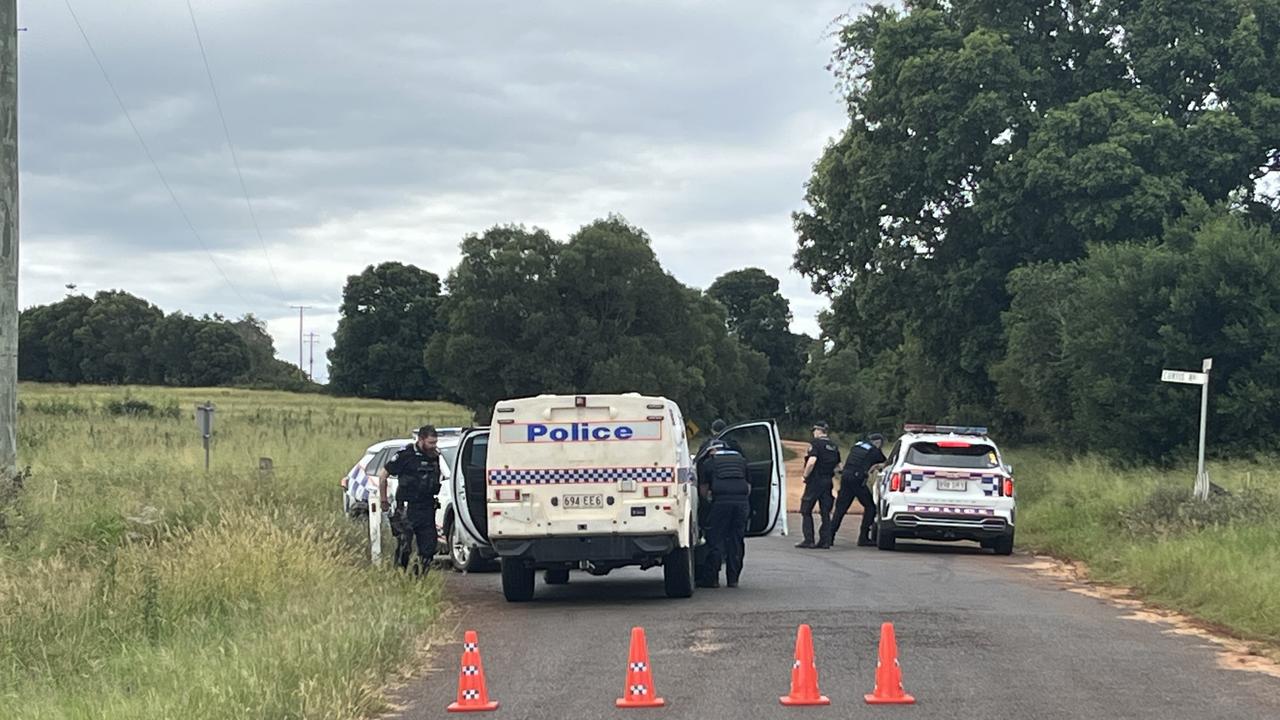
(596, 483)
(944, 482)
(360, 488)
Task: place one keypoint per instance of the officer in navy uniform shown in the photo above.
(723, 481)
(819, 477)
(418, 469)
(864, 456)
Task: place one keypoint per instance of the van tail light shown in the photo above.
(1008, 487)
(895, 482)
(652, 491)
(507, 495)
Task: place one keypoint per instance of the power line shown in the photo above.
(235, 158)
(147, 151)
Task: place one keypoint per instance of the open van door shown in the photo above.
(468, 483)
(761, 443)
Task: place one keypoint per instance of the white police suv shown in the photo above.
(944, 482)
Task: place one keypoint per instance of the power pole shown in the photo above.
(8, 239)
(300, 309)
(312, 339)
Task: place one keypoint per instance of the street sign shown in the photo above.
(1185, 377)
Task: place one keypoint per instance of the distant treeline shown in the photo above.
(118, 338)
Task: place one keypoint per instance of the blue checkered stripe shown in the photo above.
(915, 480)
(578, 476)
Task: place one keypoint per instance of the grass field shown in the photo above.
(135, 585)
(1141, 529)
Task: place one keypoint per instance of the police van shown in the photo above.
(945, 482)
(595, 483)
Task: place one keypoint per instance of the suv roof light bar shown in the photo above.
(943, 429)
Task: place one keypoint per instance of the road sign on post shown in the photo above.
(204, 424)
(1187, 377)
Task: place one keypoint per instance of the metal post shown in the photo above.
(8, 239)
(1202, 475)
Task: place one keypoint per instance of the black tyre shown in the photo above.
(462, 556)
(677, 573)
(557, 576)
(517, 580)
(1003, 545)
(885, 539)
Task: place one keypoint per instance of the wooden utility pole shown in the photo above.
(8, 239)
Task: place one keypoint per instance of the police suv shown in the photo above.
(945, 482)
(595, 483)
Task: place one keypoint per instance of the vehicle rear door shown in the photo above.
(468, 483)
(761, 443)
(960, 471)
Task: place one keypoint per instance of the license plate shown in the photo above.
(960, 485)
(583, 502)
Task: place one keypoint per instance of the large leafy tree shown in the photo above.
(115, 335)
(987, 135)
(527, 314)
(388, 316)
(1087, 340)
(760, 317)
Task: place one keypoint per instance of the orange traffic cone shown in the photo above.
(888, 673)
(640, 691)
(472, 694)
(804, 673)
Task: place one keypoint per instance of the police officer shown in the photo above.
(419, 469)
(726, 485)
(819, 476)
(864, 457)
(717, 427)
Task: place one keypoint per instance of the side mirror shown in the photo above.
(1008, 469)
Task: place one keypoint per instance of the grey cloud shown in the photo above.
(368, 131)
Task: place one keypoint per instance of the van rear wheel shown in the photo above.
(885, 539)
(677, 572)
(1003, 545)
(517, 580)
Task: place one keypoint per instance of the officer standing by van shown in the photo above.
(819, 477)
(726, 485)
(864, 457)
(417, 468)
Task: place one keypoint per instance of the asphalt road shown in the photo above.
(979, 637)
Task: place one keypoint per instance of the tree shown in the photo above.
(219, 355)
(1087, 340)
(388, 317)
(47, 348)
(526, 314)
(985, 136)
(116, 338)
(265, 369)
(760, 317)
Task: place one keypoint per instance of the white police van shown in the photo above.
(598, 482)
(943, 482)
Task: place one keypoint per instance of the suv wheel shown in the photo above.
(461, 555)
(885, 539)
(677, 572)
(517, 580)
(1003, 545)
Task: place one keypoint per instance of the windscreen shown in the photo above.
(975, 456)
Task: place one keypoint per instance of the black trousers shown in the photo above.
(417, 527)
(816, 491)
(855, 488)
(726, 538)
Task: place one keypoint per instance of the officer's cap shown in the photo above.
(820, 425)
(874, 437)
(427, 431)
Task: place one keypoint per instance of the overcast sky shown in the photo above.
(387, 130)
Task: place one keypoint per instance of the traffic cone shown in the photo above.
(472, 694)
(804, 673)
(888, 673)
(640, 692)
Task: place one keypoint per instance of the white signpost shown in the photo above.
(1202, 379)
